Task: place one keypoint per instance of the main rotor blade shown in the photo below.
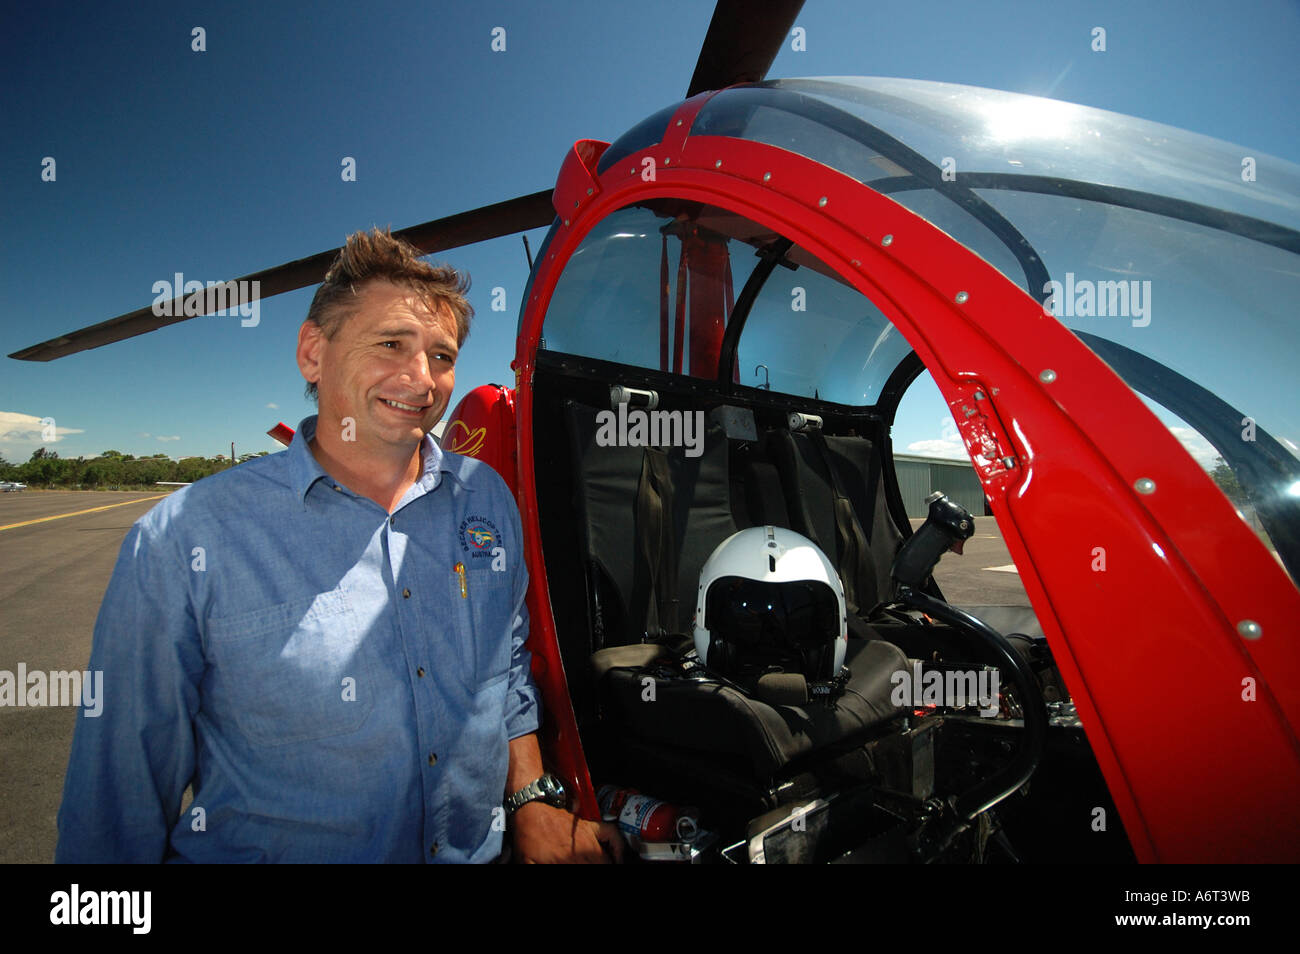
(743, 40)
(465, 228)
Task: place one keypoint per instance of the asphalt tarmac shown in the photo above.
(983, 574)
(57, 551)
(53, 574)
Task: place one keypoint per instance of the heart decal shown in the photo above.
(470, 444)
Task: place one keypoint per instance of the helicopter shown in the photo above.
(1154, 684)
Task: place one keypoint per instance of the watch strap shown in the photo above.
(548, 788)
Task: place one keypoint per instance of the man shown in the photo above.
(327, 643)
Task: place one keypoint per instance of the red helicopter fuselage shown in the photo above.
(1152, 649)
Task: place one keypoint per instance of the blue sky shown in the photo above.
(218, 163)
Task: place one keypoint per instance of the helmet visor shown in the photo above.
(773, 623)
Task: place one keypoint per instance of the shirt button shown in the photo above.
(433, 849)
(433, 758)
(338, 488)
(406, 594)
(392, 521)
(420, 672)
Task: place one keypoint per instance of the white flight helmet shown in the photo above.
(769, 599)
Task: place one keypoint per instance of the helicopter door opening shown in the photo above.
(928, 457)
(784, 367)
(643, 306)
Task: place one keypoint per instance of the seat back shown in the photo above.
(648, 519)
(832, 490)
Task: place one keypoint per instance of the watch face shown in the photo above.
(552, 790)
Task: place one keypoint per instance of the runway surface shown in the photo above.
(983, 574)
(57, 551)
(52, 577)
(53, 573)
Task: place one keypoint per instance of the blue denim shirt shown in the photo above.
(338, 684)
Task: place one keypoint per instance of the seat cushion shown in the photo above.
(656, 704)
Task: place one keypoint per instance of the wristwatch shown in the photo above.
(548, 789)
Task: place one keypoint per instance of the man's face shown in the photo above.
(390, 366)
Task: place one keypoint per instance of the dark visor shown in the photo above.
(771, 617)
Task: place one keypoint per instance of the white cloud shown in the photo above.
(174, 437)
(25, 430)
(1196, 445)
(952, 450)
(273, 406)
(947, 445)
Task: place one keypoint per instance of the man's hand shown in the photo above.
(547, 835)
(544, 834)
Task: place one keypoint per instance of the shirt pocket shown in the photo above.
(483, 617)
(292, 672)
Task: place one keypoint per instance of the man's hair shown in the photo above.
(377, 256)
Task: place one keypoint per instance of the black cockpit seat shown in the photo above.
(752, 738)
(648, 520)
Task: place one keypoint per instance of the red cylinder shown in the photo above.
(646, 818)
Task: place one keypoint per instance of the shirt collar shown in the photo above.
(305, 470)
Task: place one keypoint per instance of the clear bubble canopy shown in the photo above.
(1172, 255)
(992, 131)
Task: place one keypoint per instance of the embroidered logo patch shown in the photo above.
(478, 535)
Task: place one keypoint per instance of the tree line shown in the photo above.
(111, 470)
